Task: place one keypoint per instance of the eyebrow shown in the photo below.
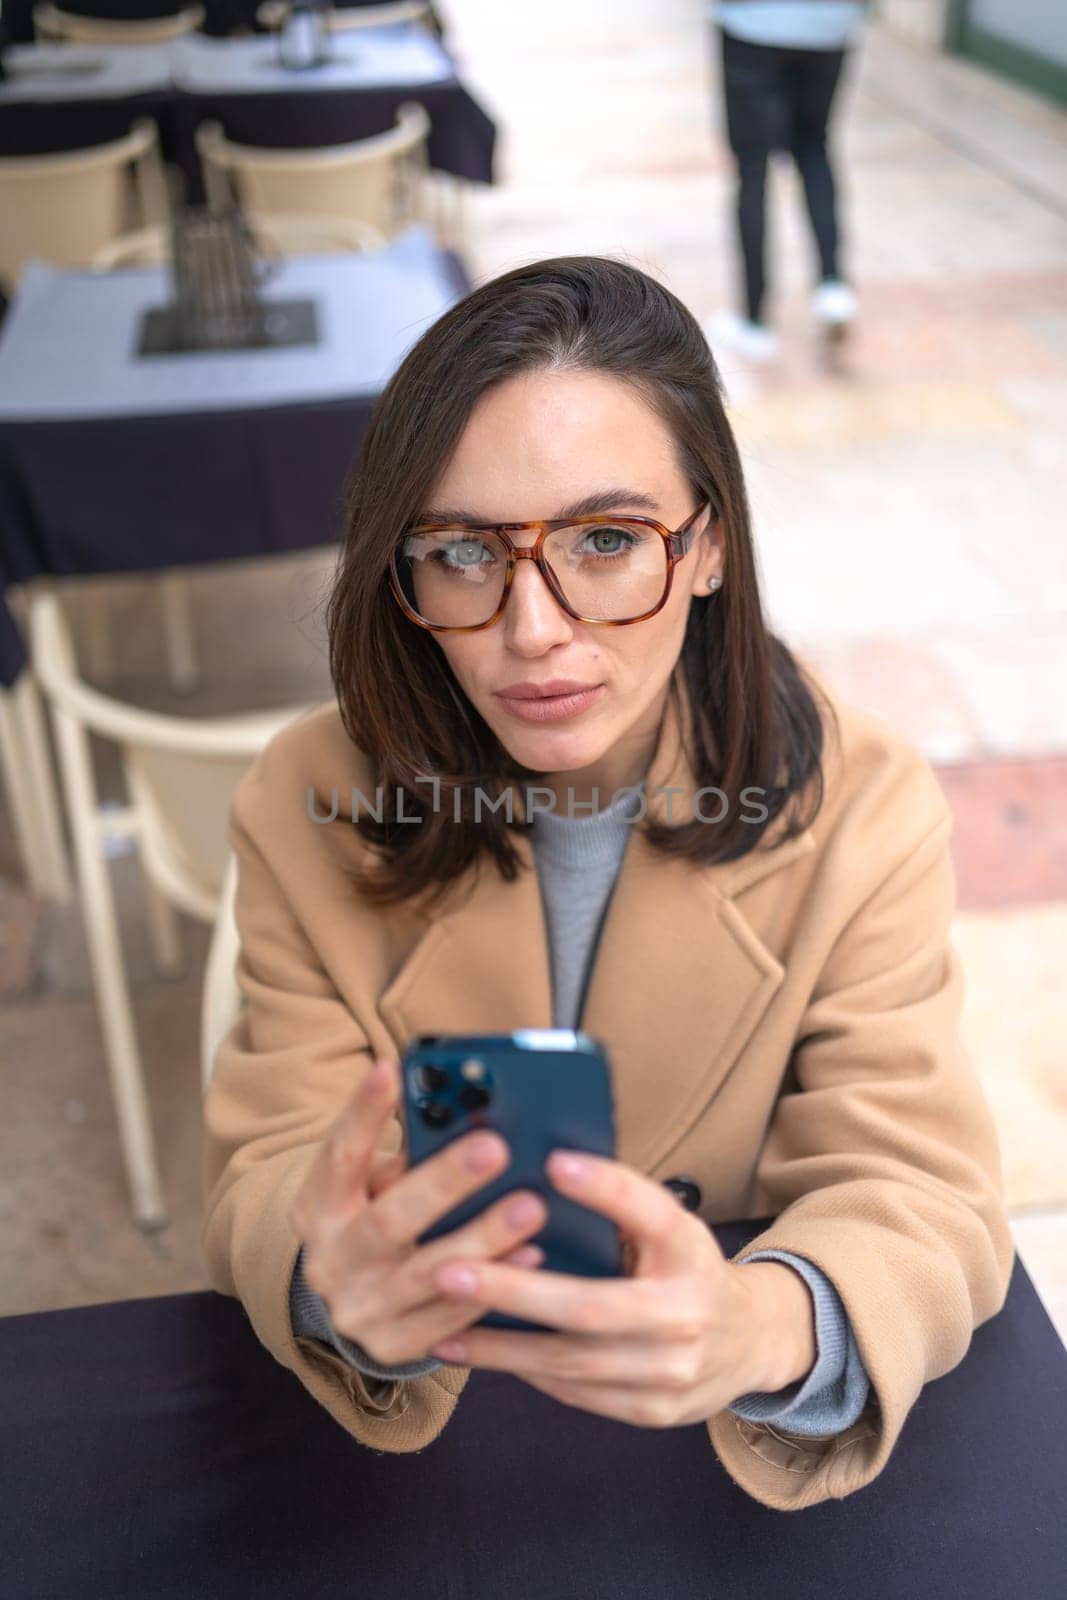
(588, 506)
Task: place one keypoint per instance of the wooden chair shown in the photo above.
(379, 180)
(49, 22)
(180, 773)
(63, 208)
(274, 14)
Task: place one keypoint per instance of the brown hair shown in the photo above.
(399, 701)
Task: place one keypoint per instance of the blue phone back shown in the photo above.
(541, 1090)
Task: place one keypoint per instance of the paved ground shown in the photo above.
(909, 516)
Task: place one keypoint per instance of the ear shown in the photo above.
(711, 550)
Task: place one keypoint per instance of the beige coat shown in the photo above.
(784, 1029)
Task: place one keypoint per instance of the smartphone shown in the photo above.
(541, 1089)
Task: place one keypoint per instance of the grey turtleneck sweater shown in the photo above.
(578, 860)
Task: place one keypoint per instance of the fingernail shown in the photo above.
(574, 1169)
(521, 1212)
(481, 1152)
(449, 1350)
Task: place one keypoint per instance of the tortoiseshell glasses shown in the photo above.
(600, 569)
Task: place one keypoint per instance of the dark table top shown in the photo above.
(153, 1448)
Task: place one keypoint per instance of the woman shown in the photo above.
(781, 64)
(749, 904)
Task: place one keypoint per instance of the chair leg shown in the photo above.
(166, 931)
(109, 979)
(178, 631)
(29, 778)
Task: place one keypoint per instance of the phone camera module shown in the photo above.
(429, 1079)
(436, 1114)
(473, 1098)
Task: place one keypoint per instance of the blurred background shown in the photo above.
(171, 459)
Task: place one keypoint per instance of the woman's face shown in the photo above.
(537, 447)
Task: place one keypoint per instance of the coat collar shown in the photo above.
(680, 978)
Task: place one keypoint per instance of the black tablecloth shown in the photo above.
(129, 494)
(153, 1449)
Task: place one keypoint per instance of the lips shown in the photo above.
(556, 700)
(551, 689)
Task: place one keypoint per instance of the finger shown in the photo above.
(404, 1308)
(356, 1136)
(431, 1189)
(623, 1307)
(410, 1336)
(559, 1357)
(346, 1153)
(661, 1230)
(385, 1170)
(527, 1255)
(494, 1233)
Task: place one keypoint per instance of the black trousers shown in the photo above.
(780, 99)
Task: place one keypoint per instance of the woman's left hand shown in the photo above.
(675, 1343)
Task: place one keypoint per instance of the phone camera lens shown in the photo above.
(435, 1114)
(430, 1078)
(472, 1098)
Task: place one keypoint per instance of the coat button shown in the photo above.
(685, 1190)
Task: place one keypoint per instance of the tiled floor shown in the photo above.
(909, 516)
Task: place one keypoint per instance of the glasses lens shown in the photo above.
(607, 572)
(610, 571)
(453, 577)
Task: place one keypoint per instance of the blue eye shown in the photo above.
(466, 553)
(608, 541)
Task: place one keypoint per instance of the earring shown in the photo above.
(713, 584)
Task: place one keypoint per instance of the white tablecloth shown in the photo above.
(68, 343)
(364, 59)
(89, 72)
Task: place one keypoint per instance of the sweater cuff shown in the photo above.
(832, 1395)
(310, 1319)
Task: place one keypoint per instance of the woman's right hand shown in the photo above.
(360, 1212)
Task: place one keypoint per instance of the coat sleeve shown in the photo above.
(881, 1166)
(282, 1075)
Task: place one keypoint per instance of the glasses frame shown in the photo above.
(677, 545)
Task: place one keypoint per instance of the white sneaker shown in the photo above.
(833, 304)
(725, 330)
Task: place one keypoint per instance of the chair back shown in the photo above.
(50, 22)
(345, 19)
(285, 236)
(181, 772)
(64, 208)
(274, 14)
(379, 180)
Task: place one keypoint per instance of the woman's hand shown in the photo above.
(676, 1343)
(359, 1213)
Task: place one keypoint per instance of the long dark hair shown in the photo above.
(753, 712)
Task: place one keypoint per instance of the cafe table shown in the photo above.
(154, 1449)
(115, 462)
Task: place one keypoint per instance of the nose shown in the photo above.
(533, 619)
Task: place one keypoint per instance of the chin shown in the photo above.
(552, 749)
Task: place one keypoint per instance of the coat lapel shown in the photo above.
(679, 983)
